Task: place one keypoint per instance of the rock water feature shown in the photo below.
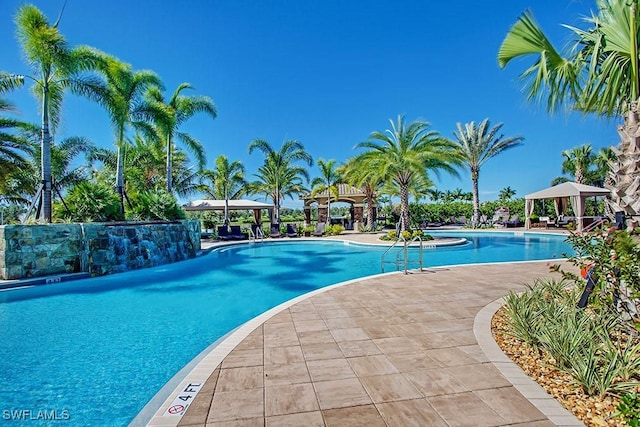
(97, 248)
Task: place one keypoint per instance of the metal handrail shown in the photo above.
(594, 224)
(404, 253)
(258, 235)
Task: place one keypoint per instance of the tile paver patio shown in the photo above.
(393, 350)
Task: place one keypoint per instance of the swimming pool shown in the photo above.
(97, 350)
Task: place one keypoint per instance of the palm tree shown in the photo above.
(506, 193)
(476, 144)
(577, 162)
(226, 182)
(56, 67)
(278, 177)
(177, 110)
(123, 100)
(327, 181)
(13, 143)
(603, 161)
(436, 195)
(65, 171)
(599, 74)
(404, 155)
(367, 180)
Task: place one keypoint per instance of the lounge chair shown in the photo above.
(236, 233)
(291, 231)
(319, 231)
(275, 231)
(223, 233)
(548, 221)
(514, 221)
(565, 221)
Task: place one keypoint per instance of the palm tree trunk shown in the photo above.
(226, 208)
(120, 171)
(45, 157)
(476, 196)
(625, 171)
(370, 213)
(404, 208)
(169, 172)
(328, 221)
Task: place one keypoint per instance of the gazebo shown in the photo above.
(232, 204)
(346, 193)
(574, 192)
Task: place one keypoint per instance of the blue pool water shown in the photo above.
(96, 350)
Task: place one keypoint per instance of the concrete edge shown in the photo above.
(530, 389)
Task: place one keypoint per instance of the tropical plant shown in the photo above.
(629, 409)
(577, 162)
(63, 163)
(368, 181)
(404, 155)
(155, 205)
(279, 177)
(599, 74)
(55, 68)
(506, 193)
(176, 111)
(226, 182)
(89, 202)
(123, 99)
(14, 144)
(327, 181)
(477, 144)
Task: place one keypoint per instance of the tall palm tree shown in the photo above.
(476, 144)
(506, 193)
(279, 177)
(177, 110)
(123, 100)
(226, 182)
(55, 67)
(599, 74)
(355, 173)
(404, 155)
(327, 181)
(578, 162)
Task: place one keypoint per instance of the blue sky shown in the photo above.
(328, 73)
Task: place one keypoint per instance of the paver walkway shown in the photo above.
(392, 350)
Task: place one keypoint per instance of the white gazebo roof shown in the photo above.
(218, 205)
(568, 189)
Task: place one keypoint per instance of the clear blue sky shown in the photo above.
(328, 73)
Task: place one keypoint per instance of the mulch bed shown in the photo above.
(593, 411)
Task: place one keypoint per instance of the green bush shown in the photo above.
(89, 202)
(334, 230)
(629, 409)
(155, 205)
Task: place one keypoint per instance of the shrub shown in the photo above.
(629, 409)
(334, 230)
(155, 205)
(90, 202)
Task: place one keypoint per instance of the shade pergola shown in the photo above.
(576, 193)
(233, 205)
(346, 193)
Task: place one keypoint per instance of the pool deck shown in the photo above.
(391, 350)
